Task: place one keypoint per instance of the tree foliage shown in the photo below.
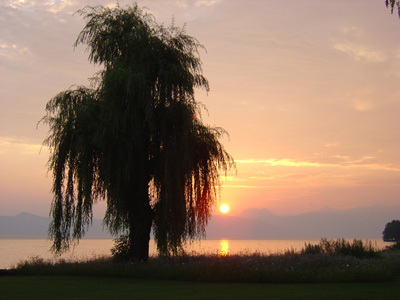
(392, 4)
(392, 231)
(135, 139)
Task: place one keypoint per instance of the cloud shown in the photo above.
(23, 146)
(15, 3)
(279, 162)
(206, 2)
(56, 6)
(13, 51)
(353, 31)
(331, 145)
(361, 52)
(363, 105)
(198, 3)
(237, 186)
(181, 3)
(53, 6)
(347, 162)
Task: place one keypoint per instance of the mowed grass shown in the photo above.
(90, 287)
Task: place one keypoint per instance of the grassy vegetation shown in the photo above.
(78, 287)
(357, 248)
(395, 246)
(332, 270)
(331, 261)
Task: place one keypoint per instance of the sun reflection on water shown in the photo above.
(223, 248)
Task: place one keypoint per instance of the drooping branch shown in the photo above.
(392, 4)
(72, 116)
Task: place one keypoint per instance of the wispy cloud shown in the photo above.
(279, 162)
(13, 51)
(353, 31)
(197, 3)
(8, 144)
(358, 52)
(363, 105)
(206, 2)
(54, 6)
(346, 162)
(239, 186)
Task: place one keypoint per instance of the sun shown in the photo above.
(224, 208)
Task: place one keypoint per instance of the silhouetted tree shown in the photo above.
(135, 139)
(392, 231)
(392, 4)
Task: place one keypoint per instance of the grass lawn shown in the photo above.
(84, 287)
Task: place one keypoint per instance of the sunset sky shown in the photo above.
(307, 89)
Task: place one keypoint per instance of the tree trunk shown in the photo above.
(140, 216)
(139, 233)
(140, 211)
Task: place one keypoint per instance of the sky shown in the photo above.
(307, 89)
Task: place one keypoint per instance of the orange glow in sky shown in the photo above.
(307, 90)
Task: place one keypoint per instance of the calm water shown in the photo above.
(14, 250)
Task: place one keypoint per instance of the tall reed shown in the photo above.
(356, 248)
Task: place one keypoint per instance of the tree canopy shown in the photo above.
(135, 138)
(392, 231)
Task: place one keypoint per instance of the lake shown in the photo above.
(16, 249)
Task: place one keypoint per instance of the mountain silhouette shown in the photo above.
(362, 222)
(27, 224)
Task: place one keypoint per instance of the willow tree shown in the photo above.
(135, 139)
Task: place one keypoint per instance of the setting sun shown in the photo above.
(224, 208)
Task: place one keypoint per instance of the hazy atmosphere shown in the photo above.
(308, 91)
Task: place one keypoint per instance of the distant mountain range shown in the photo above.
(26, 224)
(363, 222)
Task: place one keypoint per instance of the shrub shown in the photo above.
(395, 246)
(357, 248)
(120, 251)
